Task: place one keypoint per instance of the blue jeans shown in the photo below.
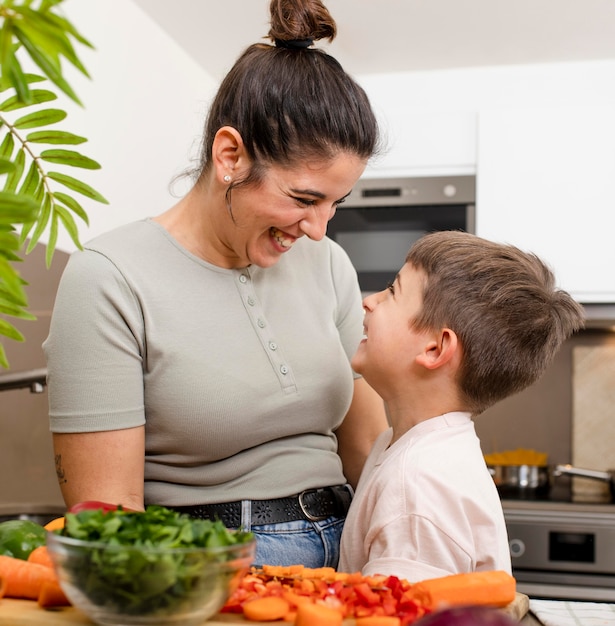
(300, 542)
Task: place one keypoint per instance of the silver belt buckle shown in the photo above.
(312, 518)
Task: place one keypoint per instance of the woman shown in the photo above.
(200, 359)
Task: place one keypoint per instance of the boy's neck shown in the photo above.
(404, 414)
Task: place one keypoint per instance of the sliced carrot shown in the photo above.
(378, 620)
(51, 594)
(492, 588)
(41, 556)
(55, 524)
(266, 609)
(317, 615)
(283, 571)
(23, 579)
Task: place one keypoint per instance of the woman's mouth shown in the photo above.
(284, 240)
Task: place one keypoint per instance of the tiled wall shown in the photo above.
(28, 483)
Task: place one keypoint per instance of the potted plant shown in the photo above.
(37, 195)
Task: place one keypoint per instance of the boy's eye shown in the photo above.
(391, 287)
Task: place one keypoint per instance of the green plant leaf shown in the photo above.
(69, 223)
(48, 64)
(31, 181)
(6, 147)
(37, 96)
(72, 204)
(68, 27)
(41, 223)
(78, 186)
(16, 209)
(55, 137)
(8, 241)
(69, 157)
(16, 78)
(6, 165)
(8, 330)
(12, 180)
(50, 34)
(40, 118)
(28, 78)
(53, 240)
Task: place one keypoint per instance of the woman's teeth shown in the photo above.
(279, 236)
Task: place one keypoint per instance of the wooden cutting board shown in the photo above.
(28, 613)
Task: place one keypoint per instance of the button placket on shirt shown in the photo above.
(260, 325)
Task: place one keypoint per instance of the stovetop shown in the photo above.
(560, 496)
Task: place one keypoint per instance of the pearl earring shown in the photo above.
(227, 178)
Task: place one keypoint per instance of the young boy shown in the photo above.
(466, 323)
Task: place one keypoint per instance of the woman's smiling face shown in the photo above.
(289, 203)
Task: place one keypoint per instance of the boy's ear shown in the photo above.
(228, 153)
(439, 350)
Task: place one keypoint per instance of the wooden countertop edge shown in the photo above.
(15, 612)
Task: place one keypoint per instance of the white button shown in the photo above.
(251, 301)
(261, 323)
(273, 345)
(283, 369)
(243, 278)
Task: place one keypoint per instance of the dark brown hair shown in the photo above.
(292, 103)
(503, 305)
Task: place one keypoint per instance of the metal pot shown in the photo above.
(518, 480)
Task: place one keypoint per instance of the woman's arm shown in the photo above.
(106, 466)
(365, 420)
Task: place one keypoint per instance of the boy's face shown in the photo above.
(390, 344)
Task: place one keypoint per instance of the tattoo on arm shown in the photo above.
(60, 470)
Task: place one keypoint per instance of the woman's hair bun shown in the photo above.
(299, 23)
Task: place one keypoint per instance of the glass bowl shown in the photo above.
(141, 586)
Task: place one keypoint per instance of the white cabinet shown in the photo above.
(426, 143)
(546, 183)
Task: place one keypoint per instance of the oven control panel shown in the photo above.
(562, 537)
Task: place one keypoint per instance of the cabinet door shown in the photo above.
(546, 183)
(433, 143)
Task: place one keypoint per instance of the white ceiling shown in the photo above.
(376, 36)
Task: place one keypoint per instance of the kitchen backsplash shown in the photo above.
(578, 388)
(593, 416)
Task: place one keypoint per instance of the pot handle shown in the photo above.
(569, 470)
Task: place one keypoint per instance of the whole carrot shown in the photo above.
(491, 588)
(52, 595)
(23, 579)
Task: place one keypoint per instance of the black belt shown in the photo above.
(312, 504)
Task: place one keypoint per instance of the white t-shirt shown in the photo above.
(426, 506)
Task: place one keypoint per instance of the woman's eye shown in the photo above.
(391, 287)
(306, 201)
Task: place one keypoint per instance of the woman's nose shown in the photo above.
(315, 224)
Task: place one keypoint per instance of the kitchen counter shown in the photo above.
(28, 613)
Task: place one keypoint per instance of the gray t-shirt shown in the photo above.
(240, 376)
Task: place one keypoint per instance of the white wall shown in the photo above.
(143, 112)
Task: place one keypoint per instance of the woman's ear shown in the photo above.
(228, 154)
(439, 350)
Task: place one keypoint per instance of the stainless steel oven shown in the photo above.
(383, 217)
(562, 550)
